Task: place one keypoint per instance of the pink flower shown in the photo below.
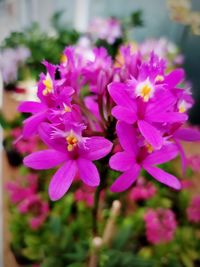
(106, 29)
(135, 158)
(85, 194)
(193, 210)
(37, 210)
(160, 225)
(75, 152)
(143, 190)
(194, 162)
(18, 192)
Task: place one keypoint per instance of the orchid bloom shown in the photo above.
(74, 152)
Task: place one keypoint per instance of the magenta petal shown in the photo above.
(31, 107)
(124, 114)
(165, 154)
(127, 136)
(187, 134)
(122, 161)
(165, 101)
(169, 117)
(119, 94)
(45, 131)
(175, 77)
(88, 172)
(31, 124)
(62, 180)
(151, 134)
(163, 177)
(183, 157)
(45, 159)
(96, 148)
(125, 180)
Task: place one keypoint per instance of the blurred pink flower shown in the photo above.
(108, 29)
(193, 210)
(160, 225)
(85, 194)
(19, 191)
(194, 162)
(37, 210)
(23, 145)
(142, 191)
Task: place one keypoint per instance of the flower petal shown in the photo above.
(45, 131)
(127, 137)
(62, 180)
(124, 114)
(45, 159)
(174, 77)
(122, 161)
(187, 134)
(97, 148)
(169, 117)
(88, 172)
(165, 154)
(31, 124)
(183, 157)
(163, 177)
(125, 180)
(118, 92)
(31, 107)
(151, 134)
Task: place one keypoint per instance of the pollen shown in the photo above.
(72, 142)
(48, 85)
(149, 148)
(67, 109)
(145, 90)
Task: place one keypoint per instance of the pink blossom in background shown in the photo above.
(193, 210)
(22, 188)
(160, 225)
(162, 48)
(106, 29)
(193, 162)
(143, 190)
(24, 145)
(37, 210)
(85, 194)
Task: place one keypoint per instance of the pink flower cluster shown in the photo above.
(160, 225)
(109, 29)
(194, 162)
(24, 146)
(143, 190)
(87, 105)
(23, 193)
(193, 211)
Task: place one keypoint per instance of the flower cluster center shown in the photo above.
(72, 142)
(48, 85)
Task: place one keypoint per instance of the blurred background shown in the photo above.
(45, 27)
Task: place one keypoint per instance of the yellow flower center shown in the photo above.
(149, 148)
(145, 90)
(72, 142)
(182, 106)
(63, 58)
(67, 108)
(48, 85)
